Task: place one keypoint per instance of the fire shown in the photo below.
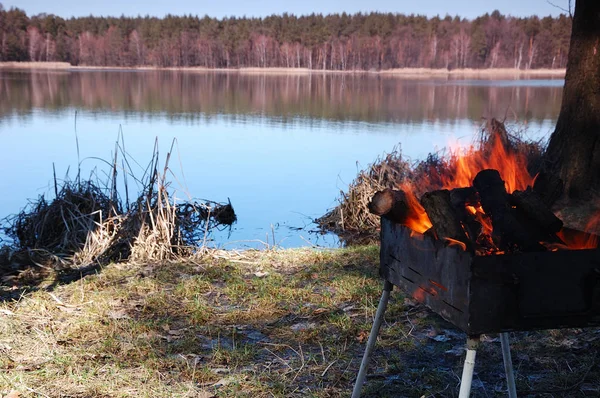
(465, 165)
(482, 218)
(419, 295)
(438, 285)
(511, 165)
(454, 242)
(459, 171)
(417, 219)
(579, 240)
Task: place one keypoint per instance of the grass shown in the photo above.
(259, 324)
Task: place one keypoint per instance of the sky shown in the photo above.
(224, 8)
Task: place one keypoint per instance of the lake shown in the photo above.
(280, 147)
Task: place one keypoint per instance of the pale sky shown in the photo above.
(222, 8)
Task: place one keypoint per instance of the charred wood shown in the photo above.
(391, 204)
(508, 231)
(446, 221)
(460, 198)
(549, 187)
(531, 204)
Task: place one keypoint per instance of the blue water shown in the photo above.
(279, 173)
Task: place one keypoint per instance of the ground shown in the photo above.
(289, 323)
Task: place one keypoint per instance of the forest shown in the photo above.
(367, 42)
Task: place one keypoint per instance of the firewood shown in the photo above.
(443, 216)
(549, 187)
(532, 205)
(460, 198)
(391, 204)
(495, 202)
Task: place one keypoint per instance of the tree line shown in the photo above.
(375, 41)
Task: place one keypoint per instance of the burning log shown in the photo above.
(460, 198)
(483, 219)
(495, 202)
(391, 204)
(446, 222)
(549, 187)
(531, 204)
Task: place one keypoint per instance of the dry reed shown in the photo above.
(90, 222)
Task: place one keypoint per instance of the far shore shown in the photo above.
(403, 72)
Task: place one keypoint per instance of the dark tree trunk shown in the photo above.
(574, 149)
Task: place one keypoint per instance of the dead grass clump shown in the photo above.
(352, 221)
(62, 224)
(90, 222)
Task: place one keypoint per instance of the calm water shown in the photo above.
(280, 147)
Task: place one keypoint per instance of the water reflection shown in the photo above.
(280, 147)
(334, 97)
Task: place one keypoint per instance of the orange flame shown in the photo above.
(482, 218)
(439, 285)
(512, 166)
(454, 242)
(462, 166)
(417, 219)
(579, 240)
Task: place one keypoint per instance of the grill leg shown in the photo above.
(362, 373)
(468, 368)
(508, 368)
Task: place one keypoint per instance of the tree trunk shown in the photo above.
(574, 150)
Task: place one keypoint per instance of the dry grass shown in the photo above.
(89, 222)
(351, 219)
(220, 326)
(259, 324)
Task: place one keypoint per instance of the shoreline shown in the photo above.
(402, 72)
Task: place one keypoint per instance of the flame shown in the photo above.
(459, 171)
(482, 218)
(511, 165)
(454, 242)
(417, 219)
(579, 240)
(465, 164)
